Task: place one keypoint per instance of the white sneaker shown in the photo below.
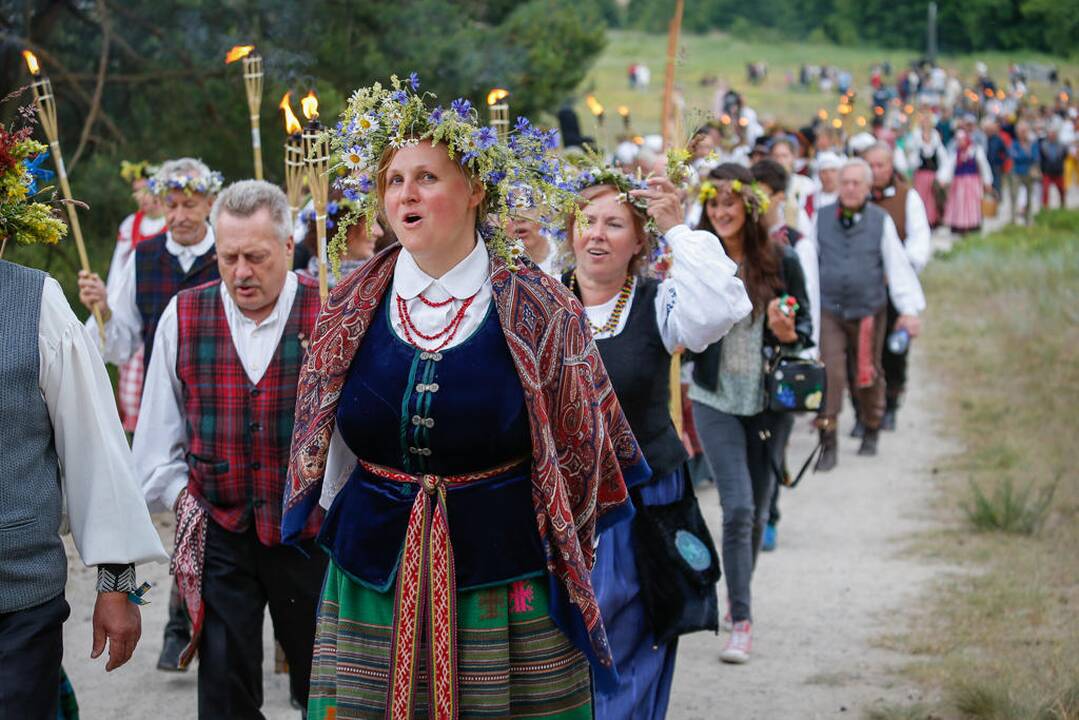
(739, 644)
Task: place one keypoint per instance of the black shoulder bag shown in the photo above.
(677, 564)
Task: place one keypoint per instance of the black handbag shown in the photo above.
(795, 384)
(677, 564)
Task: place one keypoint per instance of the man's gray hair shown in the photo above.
(183, 167)
(244, 198)
(881, 147)
(863, 165)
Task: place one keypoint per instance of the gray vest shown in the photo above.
(33, 565)
(851, 264)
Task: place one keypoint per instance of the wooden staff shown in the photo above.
(668, 83)
(253, 87)
(45, 102)
(295, 166)
(316, 150)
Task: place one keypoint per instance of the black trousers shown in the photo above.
(31, 648)
(895, 366)
(241, 577)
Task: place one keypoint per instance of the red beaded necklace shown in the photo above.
(450, 331)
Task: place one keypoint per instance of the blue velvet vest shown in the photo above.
(457, 411)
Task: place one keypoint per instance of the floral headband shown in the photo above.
(378, 118)
(753, 195)
(209, 185)
(593, 176)
(141, 170)
(335, 209)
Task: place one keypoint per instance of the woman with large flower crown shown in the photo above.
(455, 424)
(638, 323)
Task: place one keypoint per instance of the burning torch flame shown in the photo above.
(623, 111)
(310, 106)
(238, 52)
(593, 105)
(496, 95)
(292, 124)
(31, 62)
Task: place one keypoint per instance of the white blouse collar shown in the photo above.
(463, 281)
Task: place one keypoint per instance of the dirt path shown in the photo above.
(837, 582)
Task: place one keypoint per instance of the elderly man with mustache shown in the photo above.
(213, 442)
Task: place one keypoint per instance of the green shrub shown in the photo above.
(1020, 511)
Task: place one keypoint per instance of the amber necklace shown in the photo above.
(619, 305)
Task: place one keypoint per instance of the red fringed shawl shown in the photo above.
(581, 440)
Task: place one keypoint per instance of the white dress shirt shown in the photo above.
(105, 509)
(903, 286)
(919, 233)
(161, 438)
(698, 302)
(123, 331)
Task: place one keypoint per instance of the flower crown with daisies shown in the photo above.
(379, 118)
(753, 195)
(203, 185)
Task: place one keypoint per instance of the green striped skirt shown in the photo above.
(512, 661)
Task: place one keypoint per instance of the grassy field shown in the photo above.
(726, 57)
(1001, 640)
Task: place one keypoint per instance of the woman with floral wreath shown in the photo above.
(638, 323)
(728, 395)
(360, 241)
(456, 425)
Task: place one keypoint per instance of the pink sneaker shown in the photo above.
(739, 644)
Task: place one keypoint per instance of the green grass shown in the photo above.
(725, 56)
(999, 640)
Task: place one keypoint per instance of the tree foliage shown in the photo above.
(1051, 26)
(166, 92)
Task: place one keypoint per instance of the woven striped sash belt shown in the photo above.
(427, 595)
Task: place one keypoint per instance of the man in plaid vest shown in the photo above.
(213, 442)
(162, 265)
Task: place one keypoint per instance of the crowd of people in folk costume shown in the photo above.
(444, 480)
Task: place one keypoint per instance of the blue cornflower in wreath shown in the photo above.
(379, 120)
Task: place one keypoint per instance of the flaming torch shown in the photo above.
(295, 168)
(316, 151)
(624, 112)
(253, 86)
(46, 112)
(597, 113)
(500, 111)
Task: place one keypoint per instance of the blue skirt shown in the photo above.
(645, 672)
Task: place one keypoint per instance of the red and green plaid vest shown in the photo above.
(158, 277)
(239, 434)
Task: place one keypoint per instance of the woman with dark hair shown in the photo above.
(455, 425)
(638, 323)
(729, 403)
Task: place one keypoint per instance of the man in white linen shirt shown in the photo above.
(892, 192)
(182, 257)
(61, 445)
(213, 442)
(862, 265)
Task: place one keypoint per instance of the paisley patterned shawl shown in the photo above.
(582, 446)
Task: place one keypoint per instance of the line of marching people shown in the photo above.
(351, 465)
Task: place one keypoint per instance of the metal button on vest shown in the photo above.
(254, 392)
(426, 452)
(256, 427)
(431, 388)
(435, 356)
